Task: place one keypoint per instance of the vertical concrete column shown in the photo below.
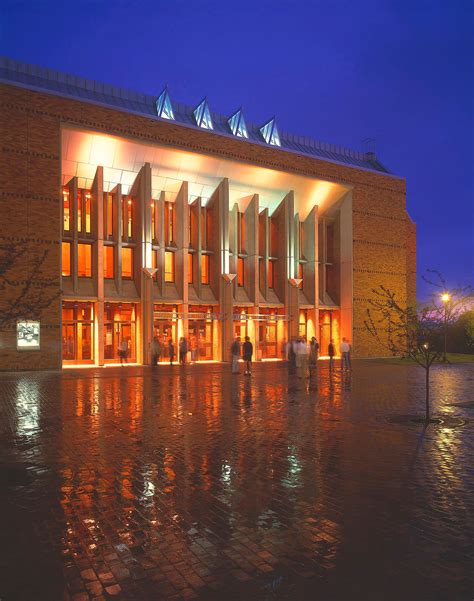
(251, 269)
(264, 252)
(118, 217)
(97, 198)
(346, 267)
(219, 204)
(284, 216)
(181, 258)
(160, 259)
(141, 193)
(73, 189)
(311, 276)
(233, 245)
(198, 254)
(251, 248)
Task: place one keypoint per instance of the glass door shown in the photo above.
(267, 332)
(200, 339)
(77, 332)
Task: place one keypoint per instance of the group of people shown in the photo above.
(246, 351)
(303, 357)
(183, 348)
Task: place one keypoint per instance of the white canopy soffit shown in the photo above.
(84, 151)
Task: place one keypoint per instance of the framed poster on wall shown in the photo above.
(28, 335)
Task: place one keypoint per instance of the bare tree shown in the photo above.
(447, 304)
(406, 332)
(25, 289)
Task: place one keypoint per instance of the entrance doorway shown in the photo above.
(200, 333)
(328, 330)
(165, 328)
(119, 324)
(240, 323)
(77, 332)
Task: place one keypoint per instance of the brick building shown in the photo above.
(126, 216)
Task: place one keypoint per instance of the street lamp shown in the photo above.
(445, 299)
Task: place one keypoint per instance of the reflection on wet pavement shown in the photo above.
(191, 483)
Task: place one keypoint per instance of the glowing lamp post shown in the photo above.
(445, 299)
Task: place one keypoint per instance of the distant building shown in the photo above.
(159, 219)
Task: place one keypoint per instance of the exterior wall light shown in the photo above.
(295, 281)
(229, 277)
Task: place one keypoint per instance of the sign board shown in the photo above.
(27, 335)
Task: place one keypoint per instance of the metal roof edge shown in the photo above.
(122, 93)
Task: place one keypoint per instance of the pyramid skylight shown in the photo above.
(237, 125)
(164, 108)
(202, 114)
(270, 134)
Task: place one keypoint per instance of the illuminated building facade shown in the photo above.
(157, 219)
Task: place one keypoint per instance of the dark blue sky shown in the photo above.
(400, 72)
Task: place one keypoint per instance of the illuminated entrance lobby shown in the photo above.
(149, 221)
(160, 244)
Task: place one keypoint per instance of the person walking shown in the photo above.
(331, 354)
(301, 351)
(183, 350)
(291, 357)
(235, 352)
(155, 350)
(194, 349)
(171, 351)
(345, 355)
(313, 352)
(247, 351)
(123, 350)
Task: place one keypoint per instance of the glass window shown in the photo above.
(169, 223)
(154, 263)
(190, 225)
(203, 228)
(87, 211)
(66, 259)
(66, 211)
(79, 210)
(110, 214)
(240, 272)
(301, 240)
(109, 263)
(153, 220)
(208, 228)
(169, 266)
(300, 274)
(129, 217)
(240, 232)
(84, 260)
(127, 263)
(190, 268)
(270, 274)
(205, 269)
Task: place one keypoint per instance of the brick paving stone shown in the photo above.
(187, 483)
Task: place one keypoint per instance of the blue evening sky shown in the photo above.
(338, 71)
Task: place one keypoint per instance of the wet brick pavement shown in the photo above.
(191, 483)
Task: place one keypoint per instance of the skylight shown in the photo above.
(270, 134)
(202, 114)
(164, 108)
(237, 125)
